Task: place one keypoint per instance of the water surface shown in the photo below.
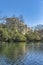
(21, 53)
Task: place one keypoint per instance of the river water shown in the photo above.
(21, 53)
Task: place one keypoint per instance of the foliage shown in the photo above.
(13, 30)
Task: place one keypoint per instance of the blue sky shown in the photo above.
(32, 10)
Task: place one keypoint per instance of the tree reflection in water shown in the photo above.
(21, 53)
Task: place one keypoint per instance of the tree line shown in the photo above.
(14, 29)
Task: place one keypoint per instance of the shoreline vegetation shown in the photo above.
(14, 29)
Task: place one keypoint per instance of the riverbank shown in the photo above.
(21, 41)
